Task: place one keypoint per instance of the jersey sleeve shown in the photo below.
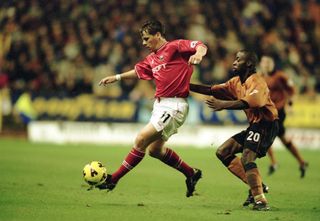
(286, 84)
(143, 70)
(223, 91)
(257, 93)
(188, 45)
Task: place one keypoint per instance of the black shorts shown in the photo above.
(258, 137)
(282, 117)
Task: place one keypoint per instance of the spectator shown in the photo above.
(49, 40)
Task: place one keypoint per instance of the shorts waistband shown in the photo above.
(170, 99)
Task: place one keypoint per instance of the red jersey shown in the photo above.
(168, 66)
(281, 88)
(254, 91)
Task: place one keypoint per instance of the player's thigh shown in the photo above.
(248, 156)
(282, 117)
(229, 147)
(147, 135)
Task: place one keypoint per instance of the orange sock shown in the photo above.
(237, 169)
(254, 181)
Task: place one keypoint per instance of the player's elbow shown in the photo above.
(256, 105)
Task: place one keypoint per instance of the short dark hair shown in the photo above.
(152, 27)
(250, 56)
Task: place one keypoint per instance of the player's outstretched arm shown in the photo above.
(197, 57)
(217, 104)
(111, 79)
(201, 89)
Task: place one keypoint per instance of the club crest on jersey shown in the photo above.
(161, 57)
(254, 92)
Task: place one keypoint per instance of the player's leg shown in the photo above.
(294, 151)
(288, 143)
(169, 157)
(253, 176)
(292, 148)
(169, 114)
(259, 137)
(226, 154)
(146, 136)
(273, 167)
(172, 159)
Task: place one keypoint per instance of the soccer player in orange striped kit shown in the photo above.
(170, 66)
(281, 92)
(247, 91)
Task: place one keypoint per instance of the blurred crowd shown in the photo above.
(64, 47)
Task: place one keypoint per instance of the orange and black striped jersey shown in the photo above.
(254, 91)
(281, 88)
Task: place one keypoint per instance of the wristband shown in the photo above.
(118, 77)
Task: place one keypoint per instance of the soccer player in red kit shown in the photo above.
(247, 91)
(170, 66)
(281, 92)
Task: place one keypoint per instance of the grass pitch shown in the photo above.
(44, 182)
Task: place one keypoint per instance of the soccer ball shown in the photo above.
(94, 173)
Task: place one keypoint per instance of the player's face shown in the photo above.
(266, 65)
(150, 41)
(239, 65)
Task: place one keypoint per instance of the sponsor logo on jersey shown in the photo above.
(158, 68)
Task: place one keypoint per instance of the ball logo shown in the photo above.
(93, 172)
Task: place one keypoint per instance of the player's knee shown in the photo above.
(249, 166)
(226, 160)
(287, 144)
(140, 142)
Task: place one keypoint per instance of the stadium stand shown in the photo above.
(63, 48)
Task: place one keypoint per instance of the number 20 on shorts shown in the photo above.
(253, 136)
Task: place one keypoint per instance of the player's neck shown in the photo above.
(245, 76)
(272, 73)
(161, 42)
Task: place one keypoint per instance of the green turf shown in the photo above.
(44, 182)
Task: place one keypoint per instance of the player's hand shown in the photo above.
(107, 80)
(195, 59)
(214, 103)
